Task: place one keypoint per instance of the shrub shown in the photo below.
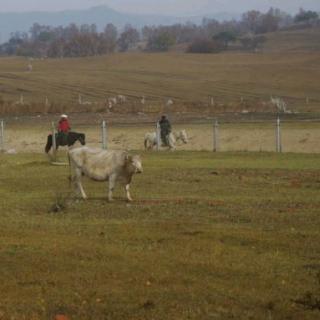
(205, 46)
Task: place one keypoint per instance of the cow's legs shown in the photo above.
(79, 184)
(112, 183)
(127, 188)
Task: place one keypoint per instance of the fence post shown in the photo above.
(158, 136)
(2, 135)
(215, 136)
(54, 142)
(278, 136)
(104, 135)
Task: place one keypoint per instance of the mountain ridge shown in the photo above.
(100, 15)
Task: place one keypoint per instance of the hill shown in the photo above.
(303, 40)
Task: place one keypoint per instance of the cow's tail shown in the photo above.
(145, 142)
(70, 169)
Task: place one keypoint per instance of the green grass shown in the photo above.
(228, 235)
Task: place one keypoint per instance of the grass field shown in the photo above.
(237, 81)
(208, 236)
(287, 66)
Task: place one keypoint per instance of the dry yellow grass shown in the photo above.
(233, 137)
(302, 40)
(187, 78)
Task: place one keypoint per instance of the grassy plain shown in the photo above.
(237, 81)
(286, 66)
(209, 236)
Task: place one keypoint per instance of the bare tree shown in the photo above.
(110, 37)
(128, 38)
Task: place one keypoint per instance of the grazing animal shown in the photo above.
(121, 98)
(113, 100)
(70, 140)
(103, 165)
(279, 103)
(150, 139)
(169, 102)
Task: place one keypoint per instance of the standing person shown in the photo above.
(63, 128)
(165, 129)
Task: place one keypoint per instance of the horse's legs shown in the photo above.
(49, 143)
(112, 183)
(54, 153)
(171, 142)
(127, 188)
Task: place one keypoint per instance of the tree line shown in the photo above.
(210, 36)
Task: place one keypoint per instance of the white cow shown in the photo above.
(103, 165)
(150, 139)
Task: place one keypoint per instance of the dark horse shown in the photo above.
(67, 140)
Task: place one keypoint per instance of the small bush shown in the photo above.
(205, 46)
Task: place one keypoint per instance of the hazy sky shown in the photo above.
(174, 7)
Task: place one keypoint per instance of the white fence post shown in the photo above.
(158, 136)
(1, 135)
(278, 136)
(215, 136)
(104, 135)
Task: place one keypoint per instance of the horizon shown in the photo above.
(166, 7)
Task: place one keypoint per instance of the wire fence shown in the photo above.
(274, 135)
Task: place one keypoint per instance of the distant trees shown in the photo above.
(110, 36)
(257, 22)
(251, 20)
(15, 42)
(160, 42)
(225, 37)
(69, 41)
(306, 16)
(208, 37)
(128, 38)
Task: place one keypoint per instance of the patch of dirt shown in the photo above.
(309, 301)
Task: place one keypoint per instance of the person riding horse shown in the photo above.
(165, 129)
(63, 128)
(64, 137)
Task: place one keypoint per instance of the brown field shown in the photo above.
(288, 67)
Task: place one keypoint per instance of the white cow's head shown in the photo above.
(134, 163)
